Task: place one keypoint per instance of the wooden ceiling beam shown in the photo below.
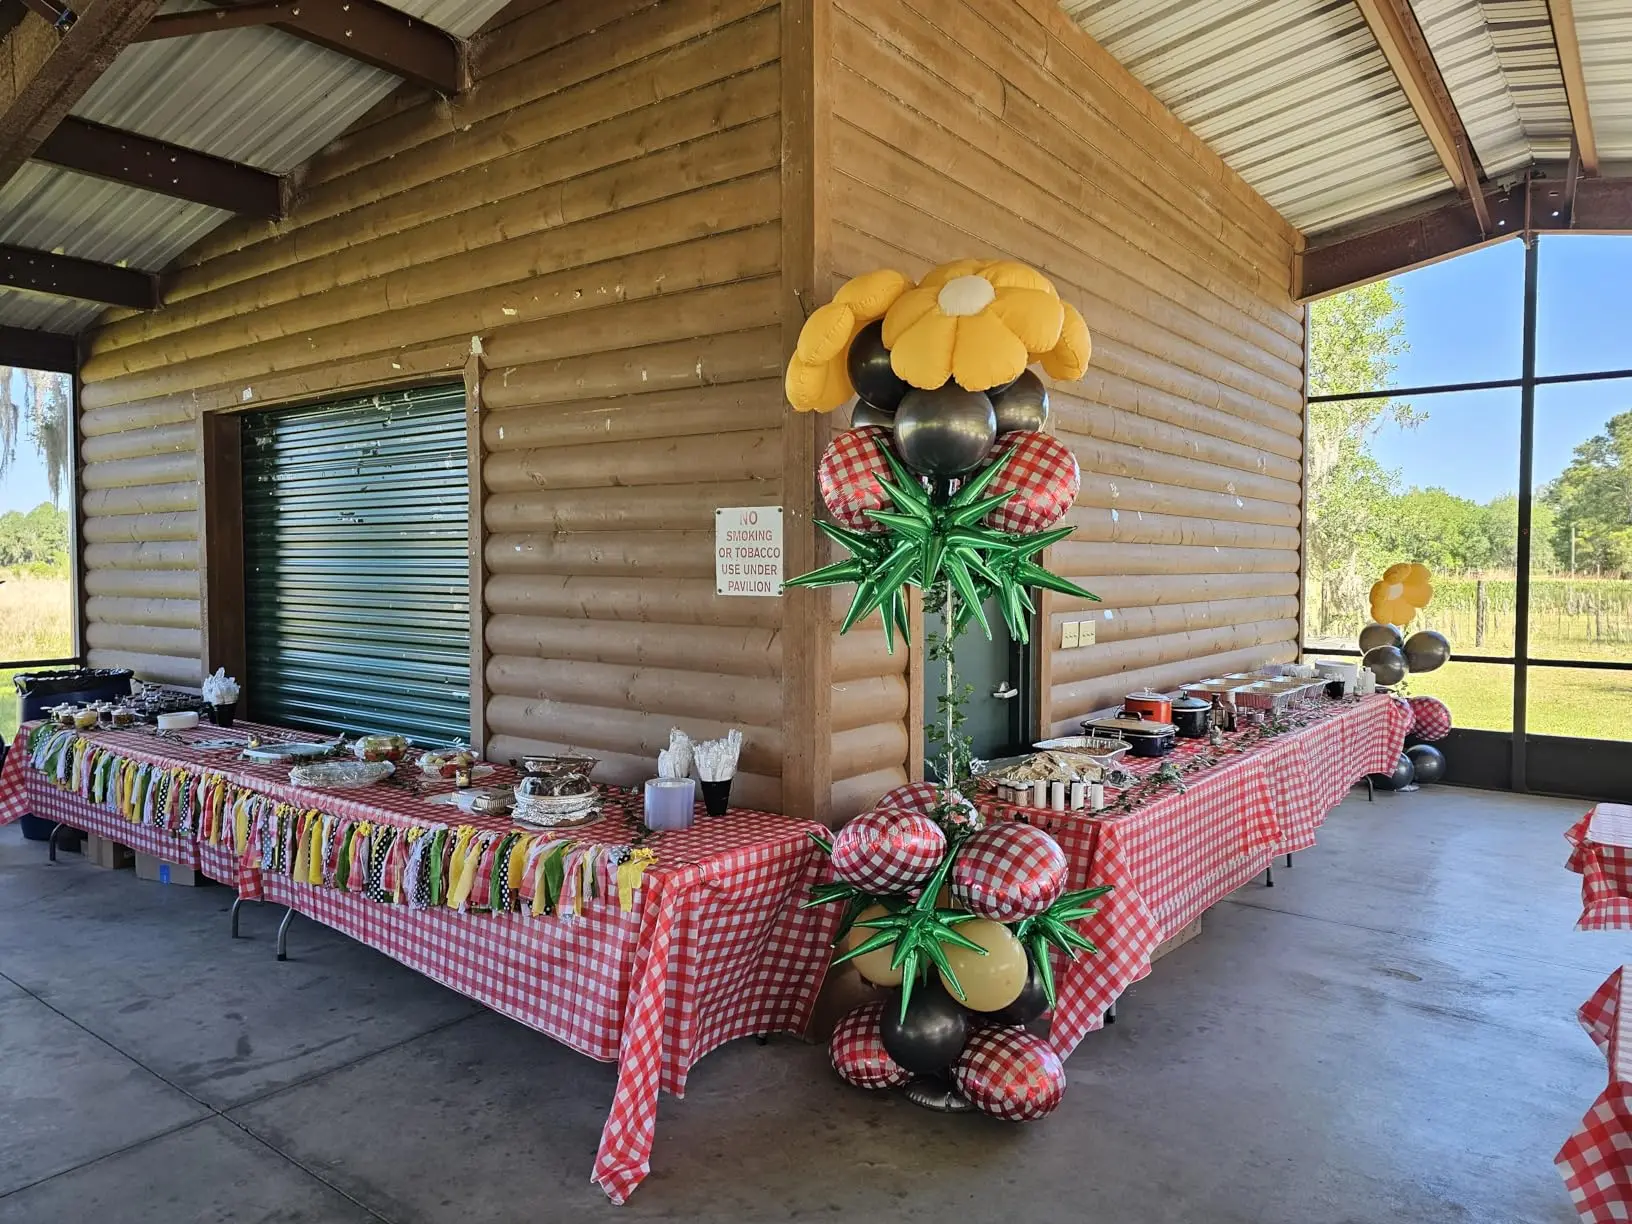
(45, 70)
(1406, 48)
(1549, 203)
(379, 35)
(1561, 15)
(169, 169)
(205, 21)
(68, 276)
(38, 350)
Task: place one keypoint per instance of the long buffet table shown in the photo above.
(649, 950)
(1171, 849)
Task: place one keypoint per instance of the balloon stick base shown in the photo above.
(937, 1094)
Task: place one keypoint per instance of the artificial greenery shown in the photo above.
(1055, 928)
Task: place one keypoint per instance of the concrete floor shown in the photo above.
(1388, 1034)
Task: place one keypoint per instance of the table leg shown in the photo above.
(236, 903)
(1289, 860)
(1110, 1013)
(51, 842)
(283, 933)
(1371, 790)
(1269, 876)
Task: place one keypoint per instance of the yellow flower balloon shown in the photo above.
(816, 378)
(979, 323)
(1404, 591)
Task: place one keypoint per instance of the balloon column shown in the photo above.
(959, 920)
(946, 481)
(1405, 590)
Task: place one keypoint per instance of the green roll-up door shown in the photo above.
(356, 565)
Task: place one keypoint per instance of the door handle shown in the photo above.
(1004, 691)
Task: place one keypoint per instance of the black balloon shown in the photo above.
(1387, 663)
(1427, 762)
(869, 365)
(1022, 406)
(944, 432)
(1375, 635)
(1030, 1004)
(1426, 650)
(933, 1034)
(866, 414)
(1405, 773)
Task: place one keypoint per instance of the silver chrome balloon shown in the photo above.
(1387, 663)
(1022, 406)
(866, 414)
(1376, 634)
(945, 432)
(1426, 650)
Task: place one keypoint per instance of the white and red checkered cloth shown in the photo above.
(1174, 856)
(715, 948)
(1596, 1161)
(1601, 853)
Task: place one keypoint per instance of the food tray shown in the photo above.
(557, 811)
(1102, 750)
(340, 775)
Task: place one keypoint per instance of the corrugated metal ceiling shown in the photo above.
(1294, 95)
(1604, 28)
(254, 95)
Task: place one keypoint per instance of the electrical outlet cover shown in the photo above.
(1085, 633)
(1069, 635)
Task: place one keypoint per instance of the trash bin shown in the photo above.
(39, 691)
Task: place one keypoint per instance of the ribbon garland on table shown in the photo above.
(458, 866)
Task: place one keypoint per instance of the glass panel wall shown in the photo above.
(36, 505)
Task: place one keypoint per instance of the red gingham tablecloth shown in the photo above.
(1175, 855)
(1596, 1161)
(715, 948)
(1602, 855)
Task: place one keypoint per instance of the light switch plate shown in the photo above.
(1069, 635)
(1085, 633)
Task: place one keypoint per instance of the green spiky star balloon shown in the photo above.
(1055, 927)
(931, 537)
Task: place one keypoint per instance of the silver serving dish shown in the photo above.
(1101, 750)
(556, 763)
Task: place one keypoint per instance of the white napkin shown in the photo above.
(717, 759)
(220, 689)
(675, 760)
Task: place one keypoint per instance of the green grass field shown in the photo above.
(36, 622)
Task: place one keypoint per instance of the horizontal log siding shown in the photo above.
(602, 208)
(994, 127)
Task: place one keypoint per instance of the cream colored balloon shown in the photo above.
(990, 982)
(874, 965)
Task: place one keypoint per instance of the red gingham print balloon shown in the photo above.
(1008, 1073)
(1044, 473)
(858, 1052)
(1008, 871)
(888, 851)
(848, 476)
(922, 797)
(1431, 720)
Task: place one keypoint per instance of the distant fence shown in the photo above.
(1478, 613)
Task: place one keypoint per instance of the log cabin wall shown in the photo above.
(603, 210)
(997, 128)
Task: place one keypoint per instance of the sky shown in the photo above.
(23, 486)
(1464, 322)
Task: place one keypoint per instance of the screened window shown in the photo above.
(356, 566)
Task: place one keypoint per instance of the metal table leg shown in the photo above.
(1289, 860)
(51, 842)
(236, 903)
(1110, 1013)
(283, 933)
(1269, 876)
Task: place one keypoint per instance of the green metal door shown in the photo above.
(356, 565)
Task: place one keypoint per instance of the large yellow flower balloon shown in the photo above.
(979, 322)
(1403, 592)
(816, 378)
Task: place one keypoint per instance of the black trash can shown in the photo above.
(39, 691)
